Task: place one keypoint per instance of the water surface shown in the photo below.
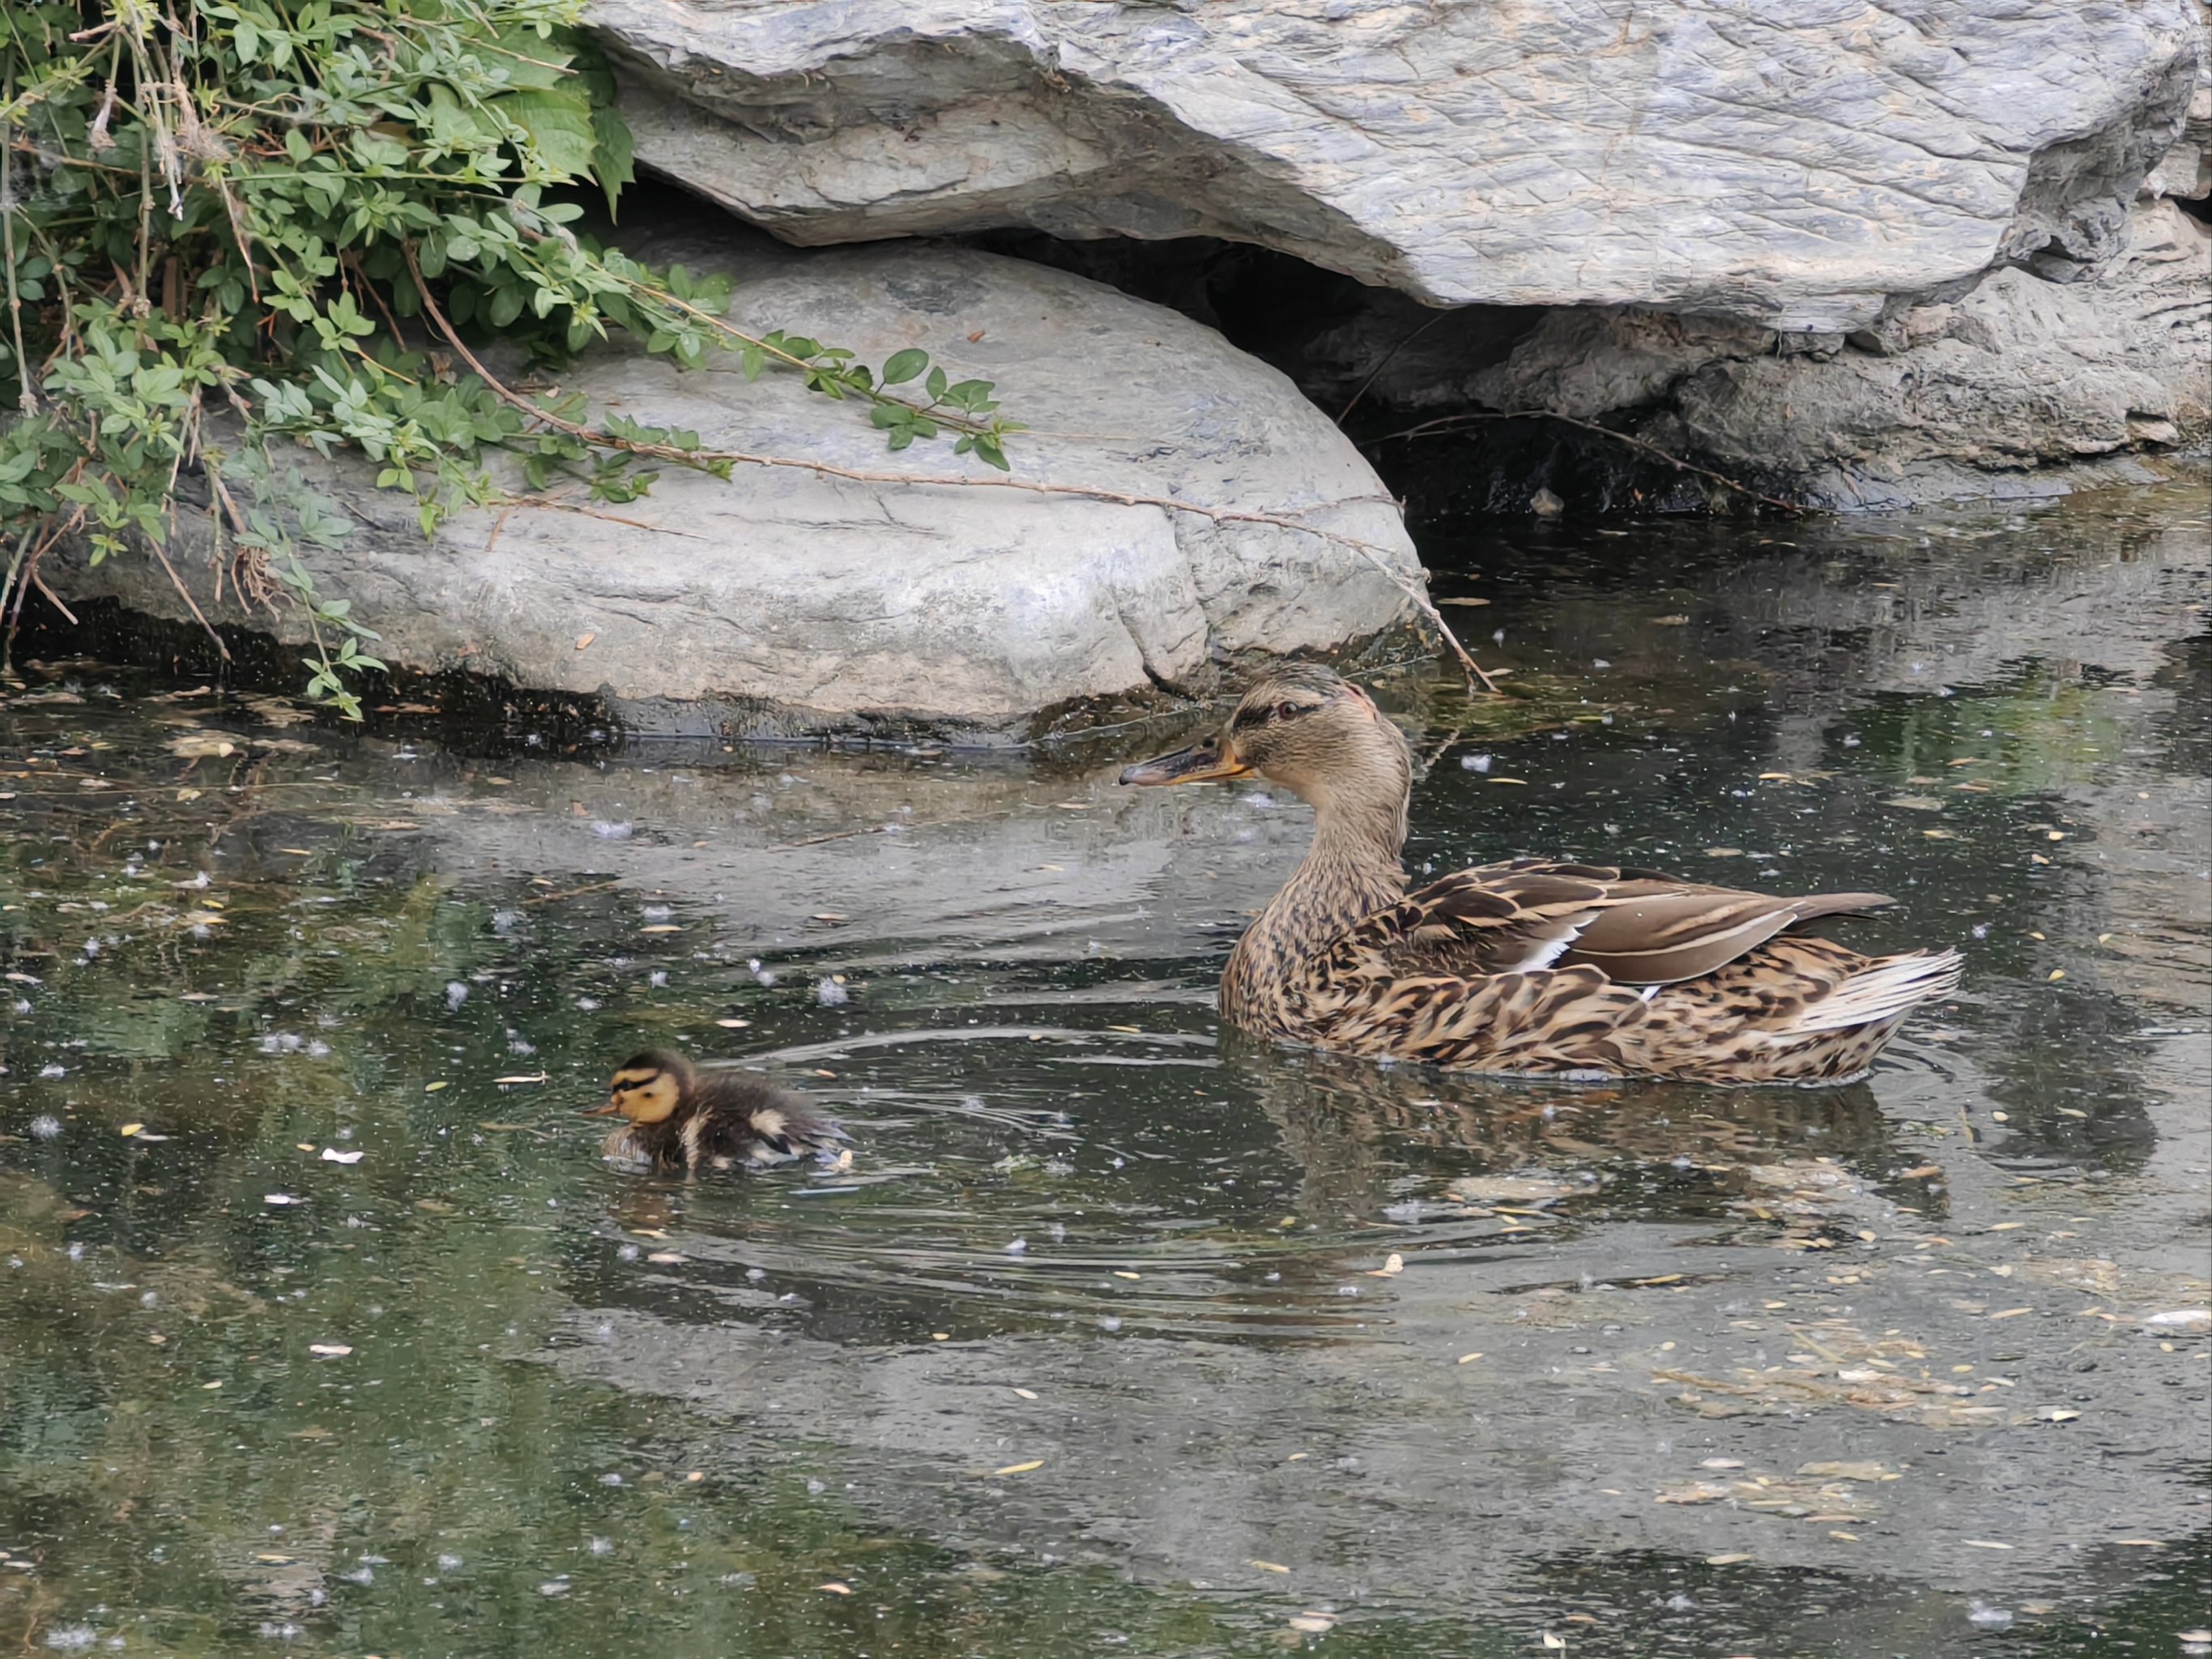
(323, 1331)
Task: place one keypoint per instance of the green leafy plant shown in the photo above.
(237, 227)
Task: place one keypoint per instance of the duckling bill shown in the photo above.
(679, 1119)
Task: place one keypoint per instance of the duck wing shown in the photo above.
(1524, 914)
(1655, 932)
(1493, 919)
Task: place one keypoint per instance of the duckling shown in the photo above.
(680, 1120)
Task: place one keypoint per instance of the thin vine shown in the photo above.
(1443, 425)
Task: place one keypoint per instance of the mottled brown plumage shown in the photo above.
(1530, 965)
(681, 1119)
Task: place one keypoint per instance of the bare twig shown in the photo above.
(555, 504)
(1413, 335)
(1378, 556)
(183, 593)
(14, 567)
(30, 575)
(1452, 423)
(53, 599)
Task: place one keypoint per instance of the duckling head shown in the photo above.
(648, 1087)
(1310, 730)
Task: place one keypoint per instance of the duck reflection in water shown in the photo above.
(1782, 1161)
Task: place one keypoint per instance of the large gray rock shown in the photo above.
(783, 599)
(1801, 163)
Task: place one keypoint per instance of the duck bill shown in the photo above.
(608, 1110)
(1201, 763)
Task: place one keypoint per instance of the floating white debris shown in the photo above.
(331, 1155)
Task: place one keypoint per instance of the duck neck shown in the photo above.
(1351, 871)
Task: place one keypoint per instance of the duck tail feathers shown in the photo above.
(1887, 989)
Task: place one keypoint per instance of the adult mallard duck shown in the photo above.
(680, 1118)
(1530, 965)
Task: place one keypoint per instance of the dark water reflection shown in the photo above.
(1120, 1336)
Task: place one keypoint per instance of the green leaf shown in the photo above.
(559, 128)
(613, 151)
(529, 59)
(902, 365)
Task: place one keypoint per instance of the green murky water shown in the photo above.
(317, 1338)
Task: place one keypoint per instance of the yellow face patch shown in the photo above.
(644, 1097)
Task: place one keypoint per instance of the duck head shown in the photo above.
(648, 1087)
(1310, 730)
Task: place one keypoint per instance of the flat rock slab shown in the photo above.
(786, 600)
(1794, 163)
